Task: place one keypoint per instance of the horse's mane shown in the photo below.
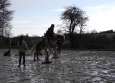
(58, 35)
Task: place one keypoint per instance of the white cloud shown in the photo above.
(103, 20)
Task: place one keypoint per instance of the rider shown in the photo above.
(50, 32)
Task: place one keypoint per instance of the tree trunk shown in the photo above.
(71, 40)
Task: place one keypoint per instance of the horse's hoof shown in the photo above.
(46, 62)
(41, 54)
(34, 59)
(18, 65)
(38, 59)
(55, 57)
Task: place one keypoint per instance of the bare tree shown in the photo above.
(73, 17)
(93, 31)
(82, 24)
(5, 16)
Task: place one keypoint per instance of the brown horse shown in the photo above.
(37, 48)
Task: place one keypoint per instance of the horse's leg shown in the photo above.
(38, 52)
(34, 57)
(55, 52)
(47, 56)
(51, 52)
(58, 50)
(37, 57)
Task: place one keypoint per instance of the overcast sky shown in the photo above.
(33, 17)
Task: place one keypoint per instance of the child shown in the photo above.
(22, 47)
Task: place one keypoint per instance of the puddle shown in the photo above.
(94, 73)
(105, 71)
(96, 79)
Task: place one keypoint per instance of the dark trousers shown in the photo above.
(49, 37)
(21, 54)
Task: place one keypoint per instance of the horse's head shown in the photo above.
(61, 38)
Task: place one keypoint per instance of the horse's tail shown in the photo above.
(33, 50)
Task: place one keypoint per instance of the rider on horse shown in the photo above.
(50, 32)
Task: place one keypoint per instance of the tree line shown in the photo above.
(12, 42)
(86, 41)
(93, 41)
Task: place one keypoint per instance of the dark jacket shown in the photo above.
(50, 32)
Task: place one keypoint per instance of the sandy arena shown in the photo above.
(70, 67)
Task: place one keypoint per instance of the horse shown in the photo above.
(37, 48)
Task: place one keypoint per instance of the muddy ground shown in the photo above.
(70, 67)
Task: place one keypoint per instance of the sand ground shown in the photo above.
(70, 67)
